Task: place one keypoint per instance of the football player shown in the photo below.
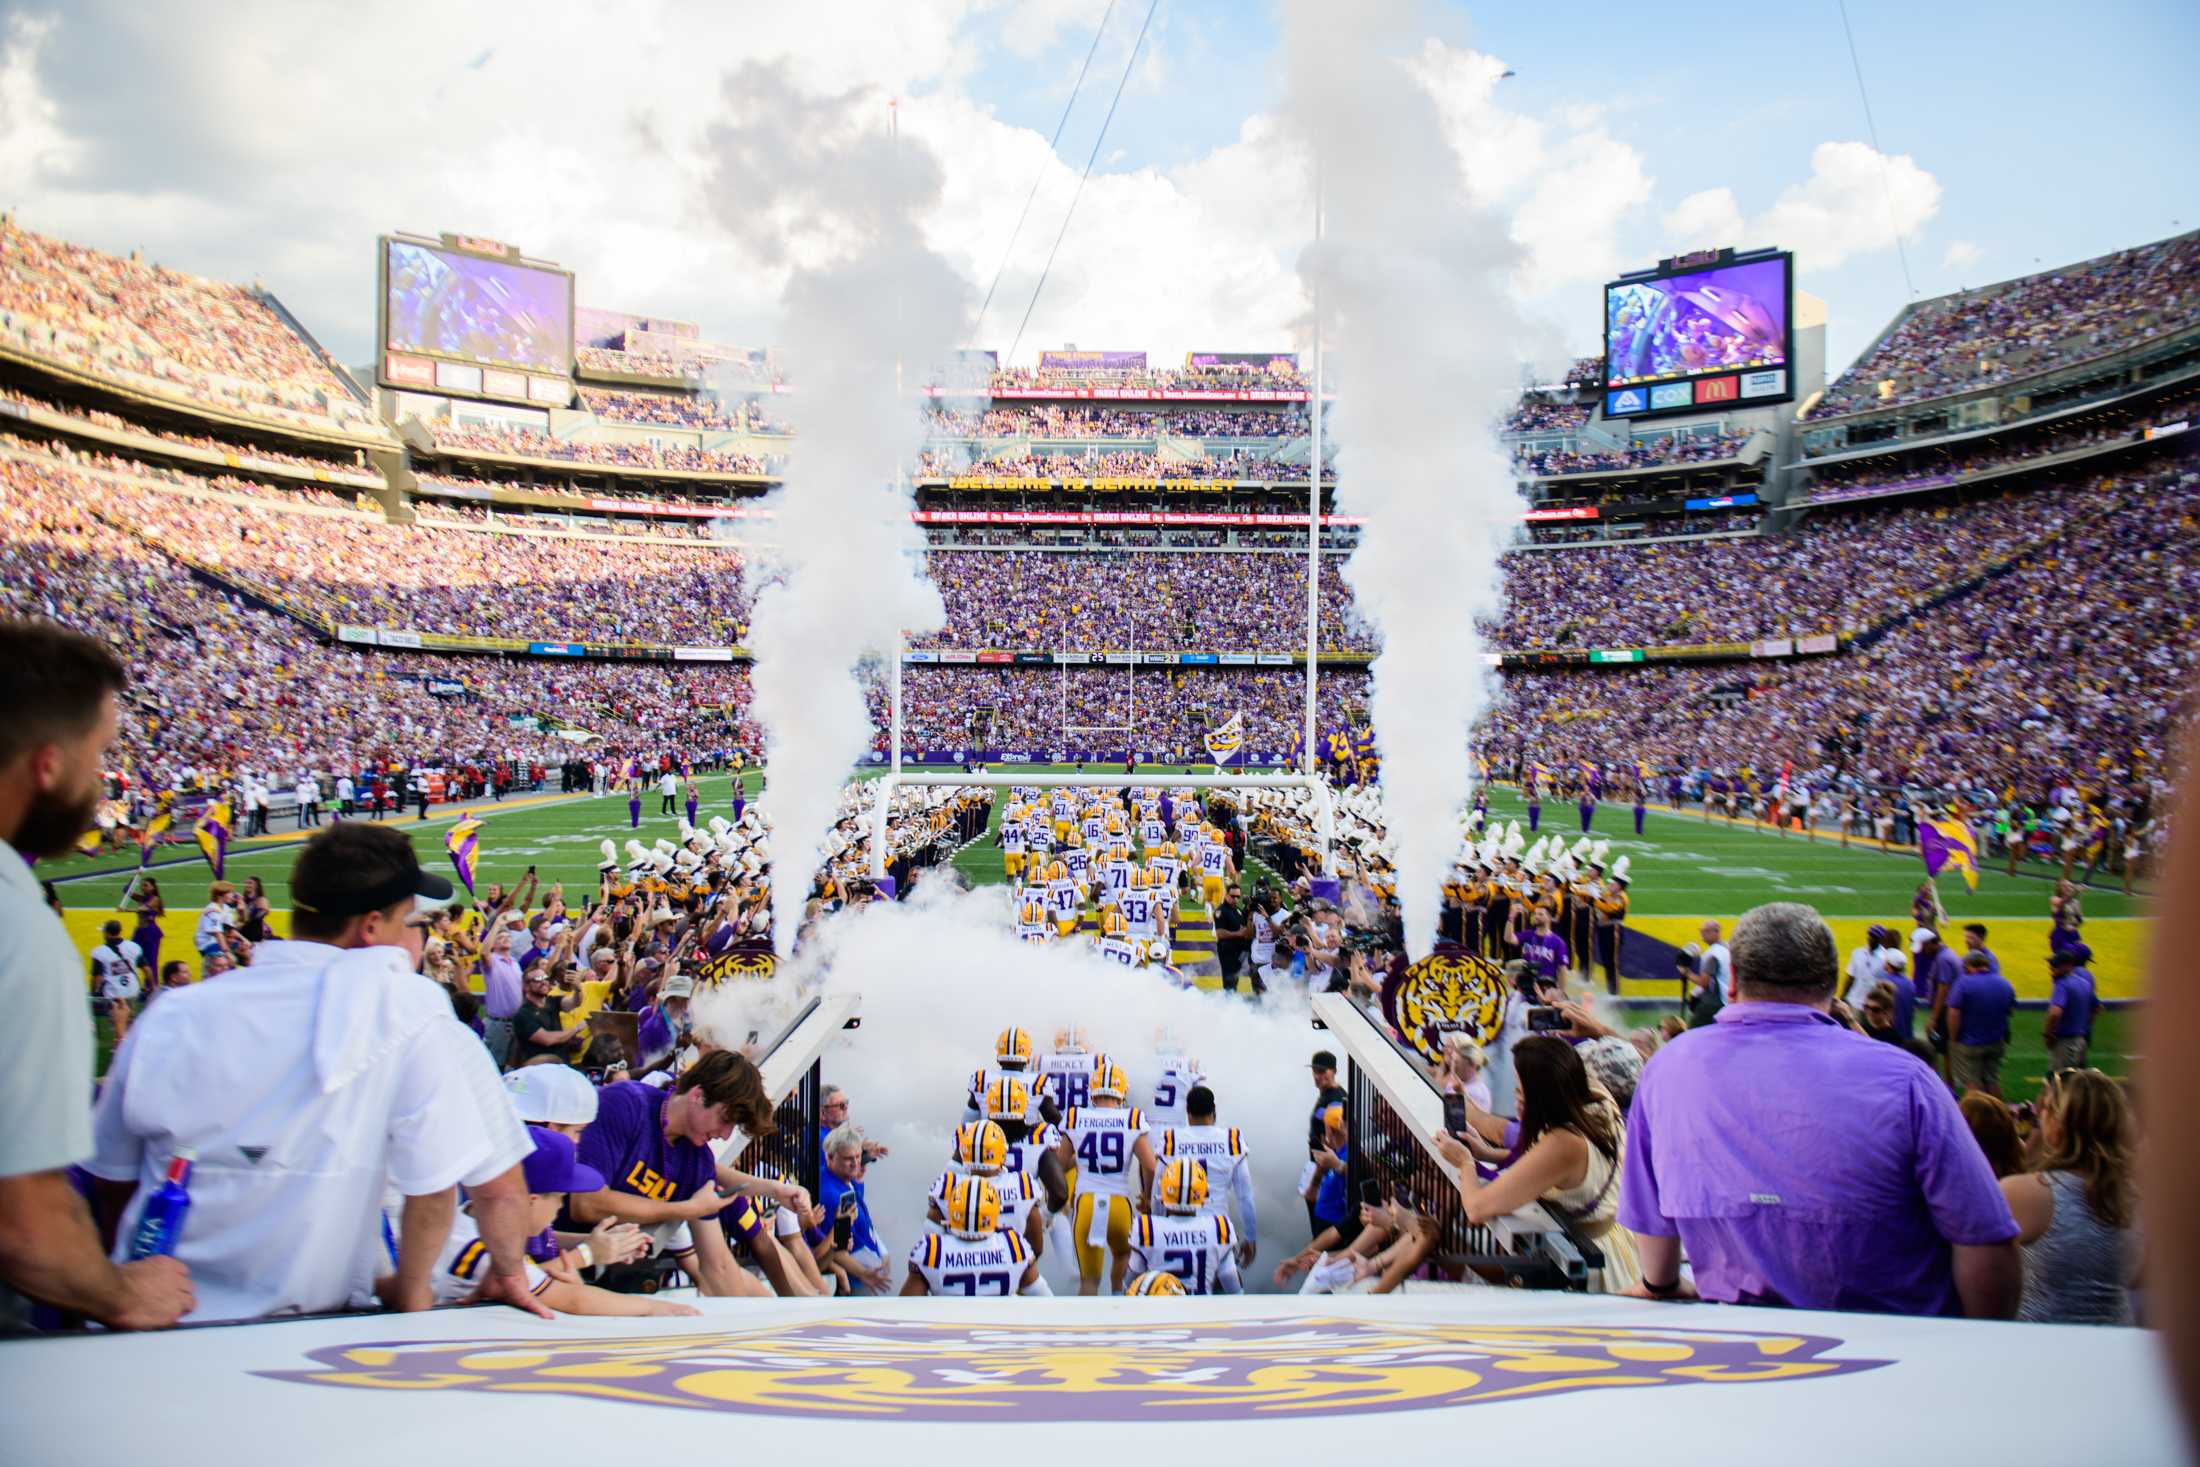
(1106, 1141)
(1201, 1250)
(975, 1257)
(1221, 1150)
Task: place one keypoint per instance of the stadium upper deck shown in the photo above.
(176, 338)
(1963, 353)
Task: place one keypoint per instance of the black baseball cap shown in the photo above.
(357, 866)
(1324, 1060)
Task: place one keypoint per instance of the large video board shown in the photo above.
(472, 321)
(1701, 333)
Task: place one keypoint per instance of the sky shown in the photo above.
(275, 141)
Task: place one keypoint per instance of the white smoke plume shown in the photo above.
(1411, 279)
(819, 188)
(941, 974)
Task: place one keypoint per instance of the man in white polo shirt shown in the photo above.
(305, 1082)
(59, 690)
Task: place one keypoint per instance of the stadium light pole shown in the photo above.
(1314, 500)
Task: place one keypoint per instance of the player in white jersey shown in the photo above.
(1012, 1105)
(1221, 1149)
(1012, 1052)
(1012, 845)
(1065, 1076)
(1216, 870)
(1034, 924)
(1141, 911)
(975, 1258)
(1178, 1074)
(1200, 1249)
(981, 1150)
(1107, 1143)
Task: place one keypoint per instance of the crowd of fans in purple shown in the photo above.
(2037, 639)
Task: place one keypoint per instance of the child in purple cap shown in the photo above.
(552, 1170)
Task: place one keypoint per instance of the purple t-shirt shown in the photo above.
(1942, 972)
(626, 1142)
(2073, 993)
(1546, 953)
(500, 986)
(1987, 1000)
(1804, 1165)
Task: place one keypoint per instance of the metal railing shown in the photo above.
(1394, 1114)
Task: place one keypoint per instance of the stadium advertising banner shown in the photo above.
(1700, 333)
(1282, 363)
(474, 317)
(1092, 361)
(1007, 391)
(1126, 517)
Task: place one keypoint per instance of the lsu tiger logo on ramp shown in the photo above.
(1244, 1370)
(1451, 991)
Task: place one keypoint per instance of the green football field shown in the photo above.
(1684, 870)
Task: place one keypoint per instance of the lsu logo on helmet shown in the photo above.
(1013, 1047)
(1108, 1080)
(981, 1146)
(1007, 1100)
(1156, 1282)
(1184, 1185)
(973, 1207)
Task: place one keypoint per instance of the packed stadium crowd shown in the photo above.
(519, 442)
(699, 365)
(174, 334)
(2021, 445)
(680, 410)
(354, 461)
(935, 463)
(1009, 381)
(1543, 415)
(1650, 453)
(1048, 420)
(1976, 338)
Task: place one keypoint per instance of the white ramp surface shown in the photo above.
(1235, 1379)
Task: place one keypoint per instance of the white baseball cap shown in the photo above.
(551, 1095)
(1920, 936)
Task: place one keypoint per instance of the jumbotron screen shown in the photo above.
(467, 308)
(1687, 339)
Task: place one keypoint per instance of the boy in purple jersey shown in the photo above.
(654, 1149)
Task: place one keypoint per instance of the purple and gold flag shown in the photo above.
(1946, 843)
(212, 834)
(462, 841)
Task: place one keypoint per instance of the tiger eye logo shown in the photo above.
(1451, 991)
(737, 965)
(1241, 1370)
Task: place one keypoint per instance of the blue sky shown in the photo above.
(274, 139)
(1995, 100)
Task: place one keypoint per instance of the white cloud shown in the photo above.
(1855, 201)
(1961, 255)
(236, 150)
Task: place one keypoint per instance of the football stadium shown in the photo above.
(1611, 831)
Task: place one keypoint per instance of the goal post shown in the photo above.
(1325, 822)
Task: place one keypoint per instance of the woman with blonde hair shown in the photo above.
(2077, 1210)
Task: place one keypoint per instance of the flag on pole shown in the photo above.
(1948, 843)
(462, 841)
(1223, 743)
(154, 829)
(212, 834)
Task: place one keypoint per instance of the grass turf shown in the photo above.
(1683, 870)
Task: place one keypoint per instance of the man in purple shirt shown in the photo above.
(654, 1148)
(2071, 1004)
(1544, 950)
(1936, 970)
(1800, 1164)
(1979, 1006)
(1974, 941)
(500, 995)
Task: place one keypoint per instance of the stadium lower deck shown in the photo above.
(1686, 869)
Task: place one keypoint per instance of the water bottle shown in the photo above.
(160, 1226)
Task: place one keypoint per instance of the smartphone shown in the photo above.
(1547, 1020)
(1371, 1192)
(1455, 1113)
